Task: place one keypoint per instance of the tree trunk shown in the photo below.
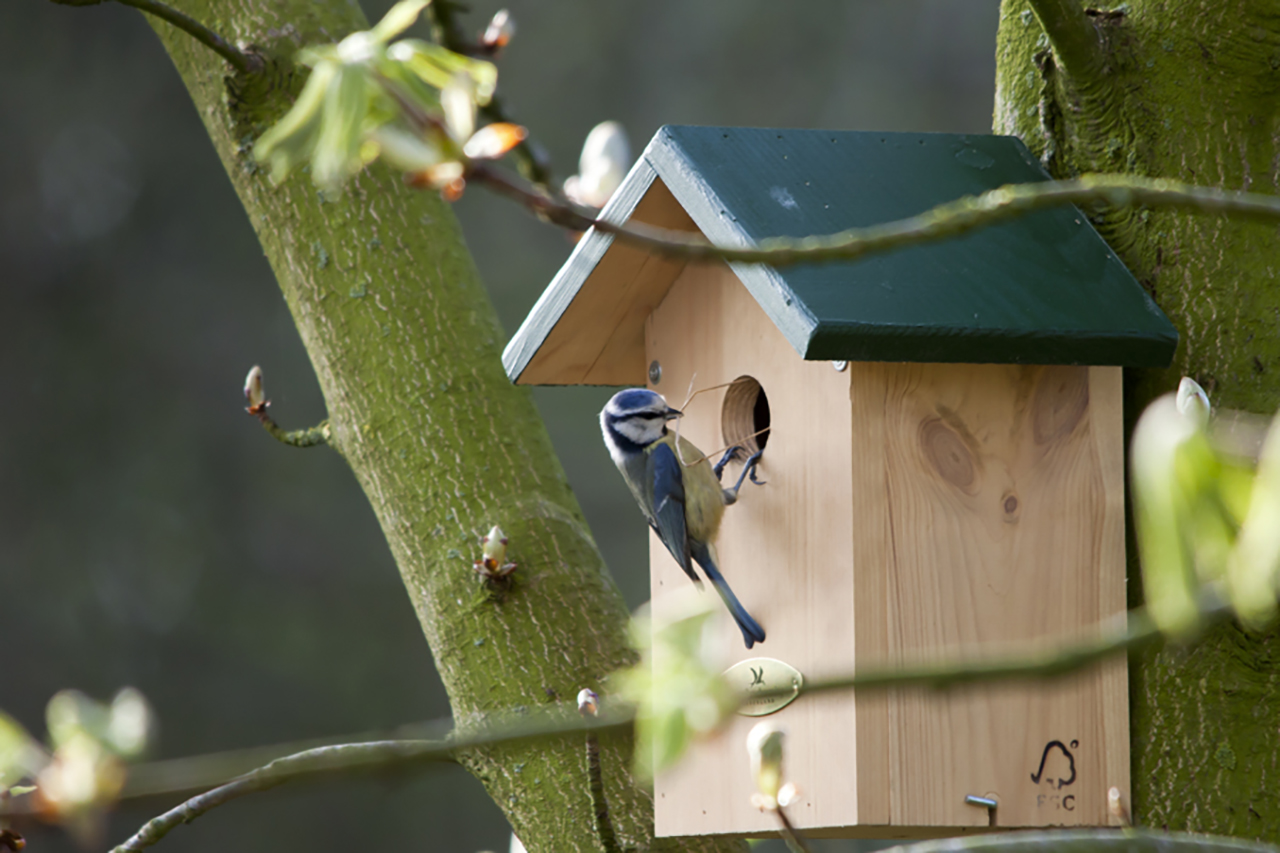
(407, 347)
(1190, 90)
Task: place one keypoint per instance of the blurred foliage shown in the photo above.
(81, 772)
(411, 102)
(677, 686)
(1206, 494)
(150, 534)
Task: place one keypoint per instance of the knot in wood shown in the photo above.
(1061, 398)
(947, 453)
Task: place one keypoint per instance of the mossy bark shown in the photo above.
(1188, 89)
(406, 348)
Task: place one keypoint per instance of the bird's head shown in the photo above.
(637, 416)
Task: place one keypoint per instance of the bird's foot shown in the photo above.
(748, 470)
(718, 468)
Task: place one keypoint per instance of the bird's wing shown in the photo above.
(668, 504)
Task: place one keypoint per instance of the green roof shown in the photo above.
(1040, 289)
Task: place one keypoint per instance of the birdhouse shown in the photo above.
(943, 457)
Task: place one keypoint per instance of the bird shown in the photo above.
(683, 504)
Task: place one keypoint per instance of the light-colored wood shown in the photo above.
(784, 548)
(1005, 493)
(912, 512)
(599, 339)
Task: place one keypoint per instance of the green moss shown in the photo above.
(375, 386)
(1193, 97)
(1225, 756)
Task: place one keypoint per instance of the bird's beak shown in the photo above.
(673, 413)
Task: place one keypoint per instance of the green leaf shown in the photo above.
(406, 150)
(458, 100)
(398, 19)
(1160, 514)
(71, 714)
(291, 140)
(130, 723)
(337, 148)
(316, 54)
(20, 755)
(437, 66)
(677, 687)
(1253, 571)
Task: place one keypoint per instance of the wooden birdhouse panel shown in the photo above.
(595, 334)
(919, 506)
(784, 548)
(1004, 491)
(913, 512)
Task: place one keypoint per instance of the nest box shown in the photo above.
(943, 456)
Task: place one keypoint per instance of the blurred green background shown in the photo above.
(152, 535)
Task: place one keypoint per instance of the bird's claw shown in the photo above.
(718, 468)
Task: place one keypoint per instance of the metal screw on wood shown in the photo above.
(655, 372)
(840, 366)
(989, 803)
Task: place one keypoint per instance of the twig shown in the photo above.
(310, 437)
(1138, 632)
(944, 221)
(1074, 38)
(343, 758)
(242, 62)
(328, 760)
(790, 835)
(532, 159)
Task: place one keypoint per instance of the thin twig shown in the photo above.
(790, 835)
(329, 760)
(344, 758)
(939, 223)
(531, 158)
(1074, 38)
(310, 437)
(1139, 631)
(242, 62)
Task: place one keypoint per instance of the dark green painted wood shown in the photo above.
(1041, 289)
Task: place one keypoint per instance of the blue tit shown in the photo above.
(684, 505)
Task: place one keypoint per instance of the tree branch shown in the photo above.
(310, 437)
(939, 223)
(345, 758)
(1074, 38)
(329, 760)
(242, 62)
(1138, 632)
(532, 159)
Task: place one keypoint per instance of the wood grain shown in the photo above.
(599, 339)
(784, 548)
(912, 512)
(1004, 486)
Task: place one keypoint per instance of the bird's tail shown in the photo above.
(752, 633)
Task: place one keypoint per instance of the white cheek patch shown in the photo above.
(641, 432)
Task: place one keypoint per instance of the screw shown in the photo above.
(840, 366)
(655, 372)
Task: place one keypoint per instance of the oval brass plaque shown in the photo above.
(760, 675)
